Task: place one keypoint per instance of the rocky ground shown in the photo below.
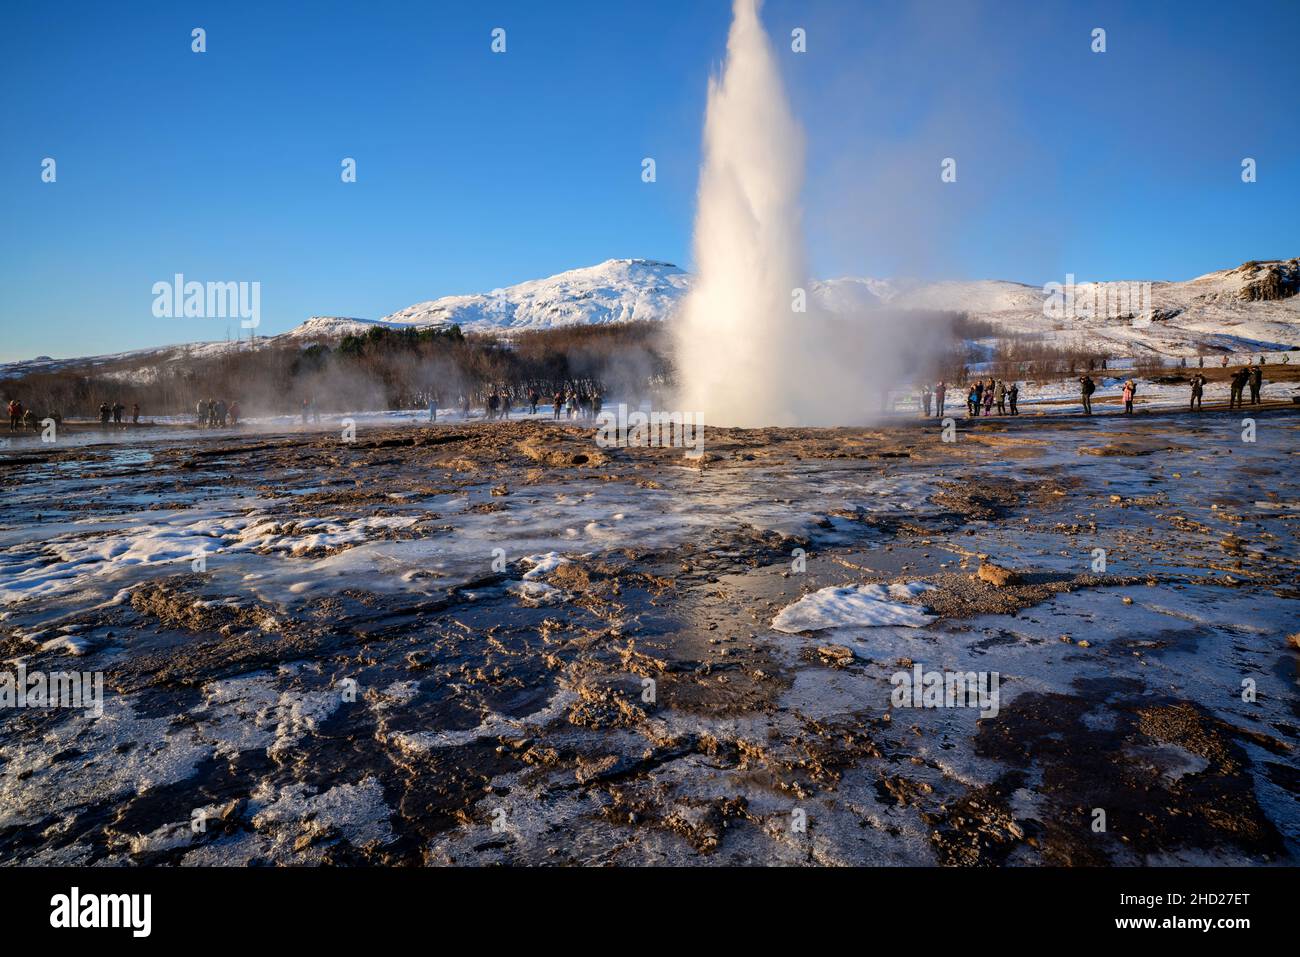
(477, 644)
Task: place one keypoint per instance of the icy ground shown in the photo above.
(1281, 383)
(466, 643)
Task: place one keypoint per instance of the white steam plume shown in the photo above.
(745, 356)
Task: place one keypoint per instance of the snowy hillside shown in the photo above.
(1253, 307)
(618, 290)
(330, 327)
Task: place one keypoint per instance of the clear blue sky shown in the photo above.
(478, 170)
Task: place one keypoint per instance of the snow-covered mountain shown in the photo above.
(1252, 307)
(618, 290)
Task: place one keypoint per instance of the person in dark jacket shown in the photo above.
(1237, 386)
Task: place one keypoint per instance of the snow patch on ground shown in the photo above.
(67, 561)
(493, 725)
(863, 605)
(543, 565)
(536, 593)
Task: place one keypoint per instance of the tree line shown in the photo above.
(379, 368)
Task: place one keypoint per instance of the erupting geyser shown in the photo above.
(745, 354)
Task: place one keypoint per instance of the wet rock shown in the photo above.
(977, 830)
(419, 659)
(903, 791)
(702, 822)
(593, 769)
(997, 576)
(836, 655)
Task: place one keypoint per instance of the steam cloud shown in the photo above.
(745, 356)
